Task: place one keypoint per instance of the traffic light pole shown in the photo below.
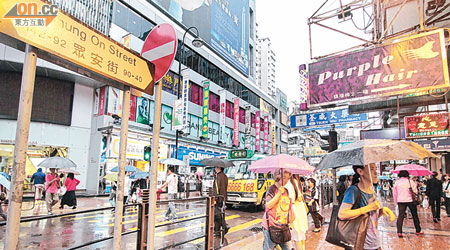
(153, 168)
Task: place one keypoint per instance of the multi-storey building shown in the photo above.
(79, 117)
(266, 60)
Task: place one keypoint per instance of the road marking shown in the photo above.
(233, 229)
(162, 222)
(135, 214)
(181, 229)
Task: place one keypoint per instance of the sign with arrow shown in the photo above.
(414, 64)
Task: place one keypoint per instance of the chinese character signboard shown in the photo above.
(266, 134)
(273, 137)
(222, 118)
(257, 130)
(236, 123)
(431, 125)
(69, 39)
(177, 121)
(205, 110)
(185, 98)
(414, 64)
(248, 127)
(325, 118)
(314, 151)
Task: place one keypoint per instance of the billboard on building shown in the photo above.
(185, 98)
(222, 118)
(205, 110)
(430, 125)
(266, 134)
(284, 136)
(273, 136)
(236, 122)
(224, 25)
(413, 64)
(143, 110)
(257, 130)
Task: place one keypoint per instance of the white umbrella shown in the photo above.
(67, 171)
(172, 161)
(4, 182)
(57, 162)
(347, 171)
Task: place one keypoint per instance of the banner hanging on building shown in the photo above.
(205, 111)
(266, 134)
(325, 118)
(177, 121)
(222, 118)
(236, 122)
(248, 127)
(185, 98)
(413, 64)
(430, 125)
(273, 136)
(257, 131)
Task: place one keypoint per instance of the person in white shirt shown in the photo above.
(172, 190)
(446, 192)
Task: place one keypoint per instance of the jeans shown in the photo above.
(401, 215)
(317, 218)
(447, 205)
(435, 207)
(171, 209)
(270, 245)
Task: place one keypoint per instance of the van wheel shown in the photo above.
(229, 206)
(262, 205)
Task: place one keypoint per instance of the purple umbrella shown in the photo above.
(413, 169)
(287, 162)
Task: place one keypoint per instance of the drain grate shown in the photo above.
(256, 229)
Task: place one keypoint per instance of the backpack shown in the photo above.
(180, 185)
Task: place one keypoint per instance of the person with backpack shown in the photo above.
(362, 187)
(172, 189)
(279, 213)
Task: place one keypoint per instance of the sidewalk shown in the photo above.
(436, 235)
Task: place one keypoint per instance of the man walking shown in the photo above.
(172, 190)
(39, 180)
(220, 188)
(51, 190)
(434, 193)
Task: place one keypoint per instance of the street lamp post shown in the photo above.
(197, 43)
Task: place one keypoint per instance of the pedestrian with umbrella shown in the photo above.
(51, 190)
(403, 198)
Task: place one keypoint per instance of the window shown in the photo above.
(196, 94)
(229, 110)
(242, 115)
(214, 102)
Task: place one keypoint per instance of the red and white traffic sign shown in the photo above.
(160, 48)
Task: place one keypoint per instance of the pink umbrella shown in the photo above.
(287, 162)
(413, 169)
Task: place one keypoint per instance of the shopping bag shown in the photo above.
(62, 190)
(425, 202)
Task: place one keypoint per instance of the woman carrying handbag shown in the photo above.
(362, 190)
(299, 226)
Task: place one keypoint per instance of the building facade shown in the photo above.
(266, 61)
(80, 117)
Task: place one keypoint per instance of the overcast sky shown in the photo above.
(286, 26)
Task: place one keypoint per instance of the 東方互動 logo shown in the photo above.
(32, 14)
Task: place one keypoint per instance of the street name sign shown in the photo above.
(160, 48)
(73, 41)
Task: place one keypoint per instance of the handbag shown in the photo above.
(62, 190)
(279, 234)
(349, 234)
(417, 199)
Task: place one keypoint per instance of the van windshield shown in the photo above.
(240, 171)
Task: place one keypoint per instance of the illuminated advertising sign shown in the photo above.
(430, 125)
(257, 130)
(236, 122)
(205, 111)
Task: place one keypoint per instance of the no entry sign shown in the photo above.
(160, 48)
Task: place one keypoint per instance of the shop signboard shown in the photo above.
(177, 123)
(80, 46)
(102, 102)
(429, 125)
(222, 118)
(284, 136)
(284, 119)
(263, 106)
(248, 126)
(96, 101)
(257, 130)
(224, 25)
(435, 144)
(133, 108)
(325, 118)
(197, 155)
(273, 136)
(205, 111)
(413, 64)
(266, 134)
(236, 122)
(314, 151)
(143, 110)
(185, 98)
(135, 148)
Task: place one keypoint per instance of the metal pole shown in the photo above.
(20, 149)
(334, 187)
(153, 169)
(398, 114)
(121, 176)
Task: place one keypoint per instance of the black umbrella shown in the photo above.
(217, 162)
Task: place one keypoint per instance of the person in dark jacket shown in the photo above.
(434, 193)
(220, 187)
(341, 188)
(39, 180)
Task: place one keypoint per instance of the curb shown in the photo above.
(244, 242)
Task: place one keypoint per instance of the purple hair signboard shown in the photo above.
(415, 64)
